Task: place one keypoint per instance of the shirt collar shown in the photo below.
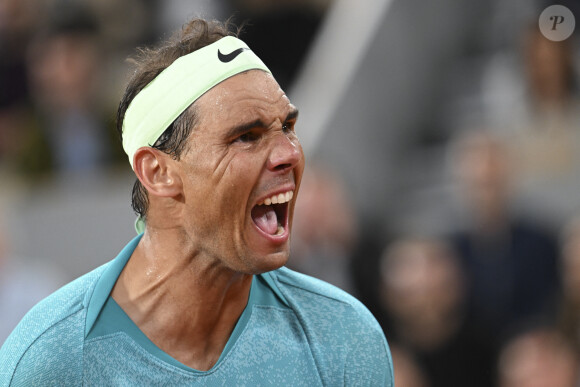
(96, 300)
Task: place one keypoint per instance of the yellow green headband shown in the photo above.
(181, 84)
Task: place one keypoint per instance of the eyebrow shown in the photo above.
(292, 115)
(243, 128)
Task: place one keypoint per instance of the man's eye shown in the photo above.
(288, 127)
(247, 137)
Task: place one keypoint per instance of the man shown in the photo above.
(200, 297)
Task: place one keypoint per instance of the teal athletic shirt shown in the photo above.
(295, 331)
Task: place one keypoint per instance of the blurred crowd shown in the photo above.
(490, 296)
(485, 292)
(494, 302)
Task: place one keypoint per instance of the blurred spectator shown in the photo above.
(550, 74)
(23, 283)
(18, 21)
(538, 358)
(510, 263)
(324, 228)
(423, 294)
(547, 149)
(65, 72)
(532, 88)
(533, 102)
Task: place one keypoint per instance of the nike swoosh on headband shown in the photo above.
(232, 55)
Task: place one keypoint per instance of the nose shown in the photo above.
(286, 153)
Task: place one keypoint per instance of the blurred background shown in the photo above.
(443, 174)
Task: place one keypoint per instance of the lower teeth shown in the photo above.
(280, 230)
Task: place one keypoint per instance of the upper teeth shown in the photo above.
(278, 199)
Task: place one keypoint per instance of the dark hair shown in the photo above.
(148, 63)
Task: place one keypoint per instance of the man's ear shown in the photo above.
(157, 171)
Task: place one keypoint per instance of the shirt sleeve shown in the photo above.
(52, 358)
(369, 362)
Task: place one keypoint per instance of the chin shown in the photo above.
(268, 262)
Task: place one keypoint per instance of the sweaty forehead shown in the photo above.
(253, 94)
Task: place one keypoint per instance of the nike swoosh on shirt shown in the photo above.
(231, 56)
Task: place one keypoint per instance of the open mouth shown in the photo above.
(271, 214)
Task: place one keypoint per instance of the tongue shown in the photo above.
(265, 218)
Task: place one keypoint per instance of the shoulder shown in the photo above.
(310, 296)
(345, 338)
(49, 338)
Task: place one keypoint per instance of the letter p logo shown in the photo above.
(557, 20)
(557, 23)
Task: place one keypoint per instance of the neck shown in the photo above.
(185, 303)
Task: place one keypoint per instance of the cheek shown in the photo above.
(227, 183)
(240, 178)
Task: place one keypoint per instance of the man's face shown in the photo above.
(242, 157)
